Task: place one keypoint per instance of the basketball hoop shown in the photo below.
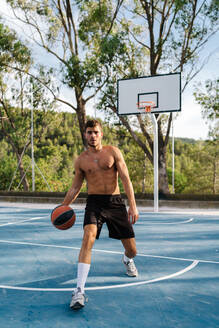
(145, 106)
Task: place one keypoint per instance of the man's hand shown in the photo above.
(133, 214)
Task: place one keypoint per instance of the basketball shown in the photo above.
(63, 217)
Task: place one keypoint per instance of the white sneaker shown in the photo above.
(78, 299)
(131, 268)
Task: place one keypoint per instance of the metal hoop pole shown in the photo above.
(156, 196)
(173, 159)
(32, 151)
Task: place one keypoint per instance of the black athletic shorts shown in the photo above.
(109, 209)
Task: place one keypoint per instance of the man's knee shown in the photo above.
(89, 236)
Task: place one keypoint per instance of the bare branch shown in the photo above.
(96, 91)
(119, 4)
(136, 138)
(138, 41)
(42, 44)
(44, 84)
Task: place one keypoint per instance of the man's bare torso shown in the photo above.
(99, 169)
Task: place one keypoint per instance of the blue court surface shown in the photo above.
(177, 286)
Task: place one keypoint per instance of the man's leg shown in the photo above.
(130, 252)
(130, 247)
(90, 232)
(84, 261)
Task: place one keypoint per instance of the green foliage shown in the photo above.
(208, 98)
(95, 49)
(197, 162)
(12, 50)
(57, 147)
(7, 166)
(101, 49)
(180, 180)
(112, 47)
(193, 24)
(79, 74)
(95, 19)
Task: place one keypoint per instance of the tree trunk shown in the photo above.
(22, 172)
(163, 179)
(81, 115)
(144, 175)
(18, 153)
(214, 175)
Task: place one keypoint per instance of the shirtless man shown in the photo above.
(100, 166)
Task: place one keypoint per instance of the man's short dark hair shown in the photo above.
(92, 124)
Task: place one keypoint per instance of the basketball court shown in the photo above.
(177, 261)
(177, 286)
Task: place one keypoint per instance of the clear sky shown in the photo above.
(189, 122)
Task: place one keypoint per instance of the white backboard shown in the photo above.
(164, 90)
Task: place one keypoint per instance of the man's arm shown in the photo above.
(124, 175)
(76, 185)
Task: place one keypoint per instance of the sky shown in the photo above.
(189, 122)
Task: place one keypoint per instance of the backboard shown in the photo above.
(164, 90)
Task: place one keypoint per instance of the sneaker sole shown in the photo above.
(132, 275)
(77, 306)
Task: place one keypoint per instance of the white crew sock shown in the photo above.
(126, 259)
(83, 270)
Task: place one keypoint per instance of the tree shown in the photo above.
(196, 166)
(95, 46)
(172, 34)
(15, 53)
(76, 34)
(57, 143)
(208, 98)
(18, 92)
(7, 166)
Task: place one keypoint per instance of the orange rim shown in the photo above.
(146, 105)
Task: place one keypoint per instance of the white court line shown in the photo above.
(18, 222)
(179, 258)
(80, 222)
(145, 282)
(142, 221)
(182, 222)
(109, 252)
(145, 221)
(173, 275)
(36, 244)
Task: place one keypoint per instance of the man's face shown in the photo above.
(94, 136)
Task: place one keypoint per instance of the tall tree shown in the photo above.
(18, 93)
(93, 51)
(208, 98)
(74, 33)
(13, 52)
(172, 34)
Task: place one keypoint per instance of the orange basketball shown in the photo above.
(63, 217)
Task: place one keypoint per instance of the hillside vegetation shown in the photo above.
(57, 143)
